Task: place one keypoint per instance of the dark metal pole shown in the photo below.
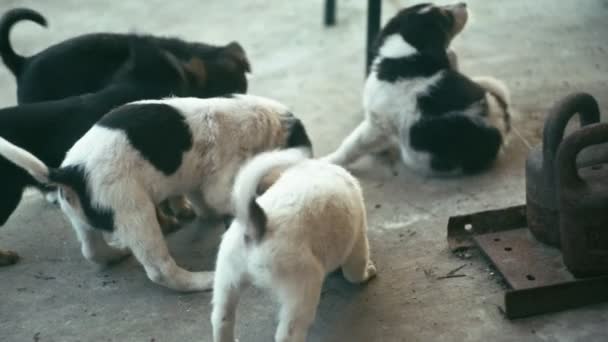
(330, 12)
(374, 12)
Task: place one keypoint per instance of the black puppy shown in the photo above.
(50, 128)
(87, 63)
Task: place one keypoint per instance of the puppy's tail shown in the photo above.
(499, 101)
(247, 210)
(25, 160)
(12, 60)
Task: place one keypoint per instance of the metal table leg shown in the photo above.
(330, 13)
(374, 12)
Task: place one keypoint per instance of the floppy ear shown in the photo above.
(237, 55)
(196, 71)
(148, 61)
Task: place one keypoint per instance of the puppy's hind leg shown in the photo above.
(366, 138)
(226, 290)
(140, 231)
(93, 245)
(299, 296)
(226, 293)
(358, 268)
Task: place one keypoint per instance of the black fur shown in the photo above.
(456, 141)
(454, 92)
(75, 177)
(297, 136)
(392, 69)
(49, 129)
(90, 62)
(258, 219)
(428, 32)
(12, 60)
(158, 131)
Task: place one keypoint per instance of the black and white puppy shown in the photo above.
(88, 63)
(297, 219)
(48, 129)
(145, 152)
(415, 98)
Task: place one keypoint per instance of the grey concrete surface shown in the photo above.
(542, 49)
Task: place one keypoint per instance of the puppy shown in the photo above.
(309, 220)
(145, 152)
(415, 98)
(48, 129)
(87, 63)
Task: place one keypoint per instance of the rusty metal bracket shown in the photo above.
(535, 273)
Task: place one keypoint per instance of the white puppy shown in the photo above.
(309, 221)
(145, 152)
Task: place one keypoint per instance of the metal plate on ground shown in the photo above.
(538, 279)
(522, 261)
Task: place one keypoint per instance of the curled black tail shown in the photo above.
(11, 59)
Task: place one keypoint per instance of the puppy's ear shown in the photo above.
(196, 71)
(236, 57)
(147, 62)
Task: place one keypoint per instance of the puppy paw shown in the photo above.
(8, 258)
(371, 271)
(182, 209)
(168, 224)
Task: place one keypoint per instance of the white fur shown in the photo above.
(425, 9)
(250, 175)
(316, 224)
(226, 132)
(395, 47)
(25, 160)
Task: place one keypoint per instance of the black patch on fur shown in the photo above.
(258, 219)
(297, 136)
(227, 219)
(75, 177)
(427, 32)
(158, 131)
(227, 96)
(453, 92)
(456, 141)
(392, 69)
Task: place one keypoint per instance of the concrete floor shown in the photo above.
(542, 49)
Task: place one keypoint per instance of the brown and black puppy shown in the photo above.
(88, 63)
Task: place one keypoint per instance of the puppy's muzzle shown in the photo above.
(460, 13)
